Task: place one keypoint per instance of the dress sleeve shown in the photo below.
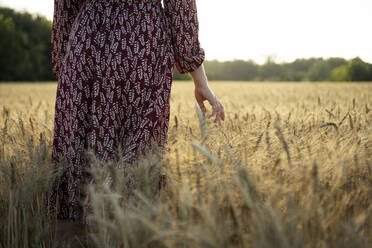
(65, 12)
(183, 24)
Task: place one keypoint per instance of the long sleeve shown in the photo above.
(65, 12)
(183, 24)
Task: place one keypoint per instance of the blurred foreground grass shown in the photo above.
(290, 167)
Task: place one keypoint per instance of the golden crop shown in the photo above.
(290, 167)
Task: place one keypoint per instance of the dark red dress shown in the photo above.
(114, 63)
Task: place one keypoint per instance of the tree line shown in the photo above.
(24, 47)
(25, 55)
(312, 69)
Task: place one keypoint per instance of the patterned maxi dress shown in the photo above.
(114, 63)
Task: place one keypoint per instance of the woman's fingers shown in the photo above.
(214, 110)
(200, 100)
(218, 111)
(217, 108)
(221, 113)
(202, 106)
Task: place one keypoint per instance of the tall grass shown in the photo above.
(290, 167)
(25, 177)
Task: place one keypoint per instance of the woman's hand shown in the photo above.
(206, 94)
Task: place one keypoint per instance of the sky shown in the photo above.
(280, 29)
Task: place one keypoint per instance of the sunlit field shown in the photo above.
(291, 166)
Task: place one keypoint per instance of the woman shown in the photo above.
(114, 63)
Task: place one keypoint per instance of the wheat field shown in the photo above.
(291, 166)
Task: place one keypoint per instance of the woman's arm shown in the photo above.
(182, 21)
(203, 92)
